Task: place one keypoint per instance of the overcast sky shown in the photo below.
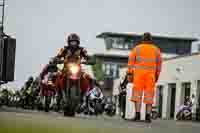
(40, 25)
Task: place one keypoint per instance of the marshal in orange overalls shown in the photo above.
(144, 66)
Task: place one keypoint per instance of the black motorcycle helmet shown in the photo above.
(51, 61)
(31, 79)
(73, 40)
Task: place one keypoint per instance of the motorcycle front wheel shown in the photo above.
(179, 116)
(72, 96)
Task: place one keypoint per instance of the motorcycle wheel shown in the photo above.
(179, 116)
(72, 102)
(188, 117)
(154, 115)
(98, 109)
(47, 103)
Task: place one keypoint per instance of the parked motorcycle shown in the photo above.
(27, 99)
(4, 97)
(95, 99)
(184, 112)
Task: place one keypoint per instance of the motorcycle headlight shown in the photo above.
(60, 66)
(74, 68)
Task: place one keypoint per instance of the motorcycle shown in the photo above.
(95, 99)
(184, 112)
(28, 99)
(48, 89)
(71, 92)
(4, 97)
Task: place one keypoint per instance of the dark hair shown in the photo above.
(147, 36)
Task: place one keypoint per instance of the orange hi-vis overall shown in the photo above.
(145, 66)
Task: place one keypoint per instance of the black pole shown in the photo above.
(2, 17)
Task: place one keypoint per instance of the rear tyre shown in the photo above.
(47, 103)
(154, 115)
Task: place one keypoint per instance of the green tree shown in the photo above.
(97, 69)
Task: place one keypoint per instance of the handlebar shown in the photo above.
(58, 60)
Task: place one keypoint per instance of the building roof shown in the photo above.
(130, 35)
(118, 53)
(125, 54)
(182, 56)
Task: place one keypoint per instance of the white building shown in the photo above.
(180, 77)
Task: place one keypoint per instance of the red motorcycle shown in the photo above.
(71, 92)
(71, 84)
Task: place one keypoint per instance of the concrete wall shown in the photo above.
(188, 66)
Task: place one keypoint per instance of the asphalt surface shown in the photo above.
(100, 122)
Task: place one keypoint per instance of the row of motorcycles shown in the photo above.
(96, 103)
(185, 111)
(46, 95)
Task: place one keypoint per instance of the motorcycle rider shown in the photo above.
(49, 68)
(73, 50)
(28, 83)
(26, 90)
(187, 101)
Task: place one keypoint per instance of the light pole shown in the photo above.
(2, 5)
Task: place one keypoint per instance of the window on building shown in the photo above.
(186, 87)
(112, 70)
(180, 50)
(126, 45)
(119, 43)
(107, 69)
(109, 43)
(103, 67)
(117, 72)
(198, 48)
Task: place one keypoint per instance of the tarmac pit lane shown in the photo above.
(35, 121)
